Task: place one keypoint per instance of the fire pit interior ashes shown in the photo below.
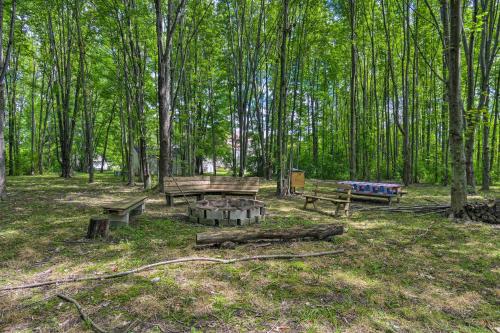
(227, 212)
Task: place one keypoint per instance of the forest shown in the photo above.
(349, 89)
(364, 135)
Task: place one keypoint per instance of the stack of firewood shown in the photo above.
(484, 212)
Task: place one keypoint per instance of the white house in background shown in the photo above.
(208, 165)
(98, 163)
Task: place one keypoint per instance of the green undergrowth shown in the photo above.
(398, 273)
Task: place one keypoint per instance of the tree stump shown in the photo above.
(98, 227)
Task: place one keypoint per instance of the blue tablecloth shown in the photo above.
(369, 187)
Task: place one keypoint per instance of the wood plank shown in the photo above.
(333, 185)
(232, 180)
(187, 178)
(327, 199)
(244, 186)
(186, 186)
(124, 204)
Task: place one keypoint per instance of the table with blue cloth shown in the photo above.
(370, 189)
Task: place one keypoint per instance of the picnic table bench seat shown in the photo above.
(338, 194)
(119, 212)
(200, 186)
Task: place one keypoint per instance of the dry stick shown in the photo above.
(84, 316)
(167, 262)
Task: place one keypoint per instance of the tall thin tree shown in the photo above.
(458, 181)
(4, 63)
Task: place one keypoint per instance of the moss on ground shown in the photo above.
(399, 273)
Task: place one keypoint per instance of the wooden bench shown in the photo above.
(200, 186)
(119, 212)
(338, 194)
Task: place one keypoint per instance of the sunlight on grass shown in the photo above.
(399, 272)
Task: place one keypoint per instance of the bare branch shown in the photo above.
(169, 262)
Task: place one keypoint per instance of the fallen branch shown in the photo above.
(168, 262)
(83, 315)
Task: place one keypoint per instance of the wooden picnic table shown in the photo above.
(378, 190)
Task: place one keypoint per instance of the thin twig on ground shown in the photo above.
(168, 262)
(83, 315)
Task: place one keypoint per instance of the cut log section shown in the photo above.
(98, 227)
(316, 232)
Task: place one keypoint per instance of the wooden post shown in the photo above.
(98, 227)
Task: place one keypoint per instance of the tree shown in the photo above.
(164, 37)
(458, 180)
(353, 92)
(281, 188)
(355, 89)
(4, 63)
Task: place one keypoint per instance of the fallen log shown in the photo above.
(316, 232)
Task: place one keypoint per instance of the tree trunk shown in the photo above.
(281, 188)
(106, 137)
(164, 82)
(487, 53)
(405, 88)
(4, 62)
(87, 117)
(471, 116)
(494, 137)
(352, 133)
(32, 122)
(13, 123)
(458, 185)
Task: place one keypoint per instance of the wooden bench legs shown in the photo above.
(338, 206)
(344, 207)
(310, 200)
(170, 200)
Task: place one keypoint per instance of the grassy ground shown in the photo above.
(399, 272)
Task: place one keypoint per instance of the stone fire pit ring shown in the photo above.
(227, 212)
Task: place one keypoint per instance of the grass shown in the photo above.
(399, 273)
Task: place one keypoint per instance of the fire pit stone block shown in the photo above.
(227, 212)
